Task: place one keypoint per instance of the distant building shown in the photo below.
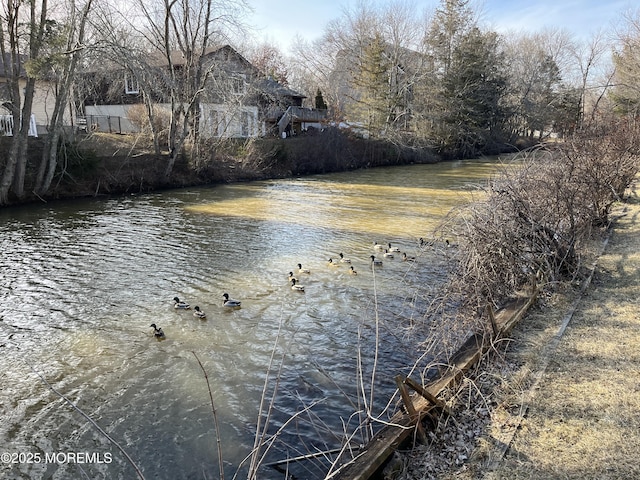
(237, 101)
(43, 100)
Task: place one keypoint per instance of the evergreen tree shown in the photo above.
(371, 87)
(626, 94)
(473, 87)
(319, 101)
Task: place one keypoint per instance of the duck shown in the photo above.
(393, 249)
(424, 244)
(387, 254)
(407, 258)
(375, 261)
(199, 313)
(291, 277)
(352, 271)
(303, 270)
(180, 305)
(344, 260)
(229, 302)
(296, 287)
(332, 263)
(378, 246)
(157, 331)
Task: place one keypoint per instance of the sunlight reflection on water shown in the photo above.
(83, 280)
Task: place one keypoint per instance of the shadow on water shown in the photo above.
(82, 282)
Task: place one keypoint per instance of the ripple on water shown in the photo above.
(84, 280)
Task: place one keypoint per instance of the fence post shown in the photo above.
(408, 404)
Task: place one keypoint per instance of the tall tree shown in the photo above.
(164, 45)
(374, 66)
(60, 65)
(452, 21)
(595, 79)
(626, 93)
(269, 60)
(370, 100)
(534, 83)
(473, 87)
(437, 94)
(22, 36)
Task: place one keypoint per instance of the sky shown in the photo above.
(279, 22)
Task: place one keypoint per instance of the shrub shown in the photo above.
(538, 214)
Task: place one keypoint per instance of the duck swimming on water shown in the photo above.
(199, 313)
(407, 258)
(296, 287)
(343, 259)
(229, 302)
(303, 270)
(157, 331)
(180, 305)
(375, 261)
(393, 249)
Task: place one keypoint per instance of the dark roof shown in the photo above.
(177, 58)
(275, 88)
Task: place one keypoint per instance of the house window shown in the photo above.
(238, 86)
(131, 86)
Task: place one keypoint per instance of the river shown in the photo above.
(83, 280)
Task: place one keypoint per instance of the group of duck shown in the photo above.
(388, 252)
(197, 312)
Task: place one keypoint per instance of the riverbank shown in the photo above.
(98, 164)
(559, 399)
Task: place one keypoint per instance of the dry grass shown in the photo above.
(573, 413)
(584, 421)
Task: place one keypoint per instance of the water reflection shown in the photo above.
(82, 281)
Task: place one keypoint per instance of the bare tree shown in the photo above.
(270, 61)
(595, 75)
(23, 33)
(535, 79)
(62, 67)
(366, 65)
(165, 44)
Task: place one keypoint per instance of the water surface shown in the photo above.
(83, 280)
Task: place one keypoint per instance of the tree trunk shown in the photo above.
(49, 159)
(9, 170)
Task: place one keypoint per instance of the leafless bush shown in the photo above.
(537, 214)
(139, 116)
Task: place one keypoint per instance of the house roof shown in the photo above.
(275, 88)
(177, 57)
(268, 85)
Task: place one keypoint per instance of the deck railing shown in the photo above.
(6, 126)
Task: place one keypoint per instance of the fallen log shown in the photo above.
(404, 425)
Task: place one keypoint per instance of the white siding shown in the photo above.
(229, 121)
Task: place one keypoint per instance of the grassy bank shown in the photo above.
(553, 402)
